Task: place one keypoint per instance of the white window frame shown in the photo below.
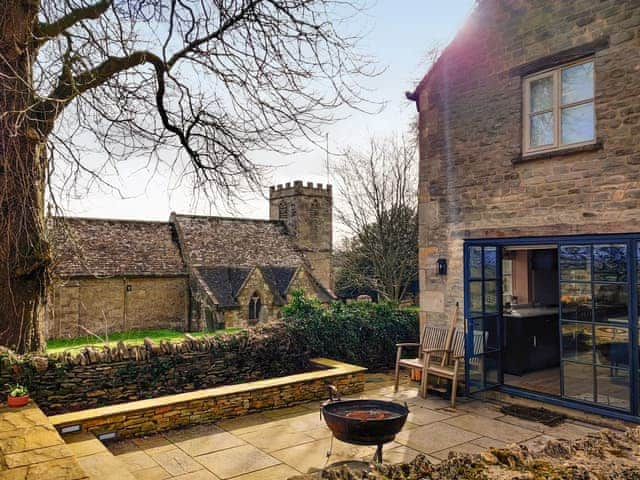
(556, 108)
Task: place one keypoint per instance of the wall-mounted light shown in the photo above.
(442, 266)
(129, 288)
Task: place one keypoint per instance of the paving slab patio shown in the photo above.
(282, 443)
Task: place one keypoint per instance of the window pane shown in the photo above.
(577, 342)
(578, 124)
(610, 263)
(475, 296)
(578, 381)
(490, 303)
(611, 303)
(613, 387)
(575, 263)
(577, 83)
(541, 94)
(475, 262)
(490, 259)
(576, 301)
(612, 346)
(542, 129)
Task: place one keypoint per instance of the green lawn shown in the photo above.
(131, 338)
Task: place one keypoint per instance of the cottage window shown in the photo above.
(559, 108)
(255, 305)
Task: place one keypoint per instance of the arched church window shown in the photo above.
(255, 305)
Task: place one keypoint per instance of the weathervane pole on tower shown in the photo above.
(327, 159)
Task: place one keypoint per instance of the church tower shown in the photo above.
(307, 212)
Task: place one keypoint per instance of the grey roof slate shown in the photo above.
(224, 282)
(210, 241)
(278, 279)
(107, 247)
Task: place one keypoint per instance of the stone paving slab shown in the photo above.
(237, 461)
(435, 437)
(175, 461)
(31, 448)
(490, 427)
(203, 439)
(155, 473)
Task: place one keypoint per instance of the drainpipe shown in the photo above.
(124, 309)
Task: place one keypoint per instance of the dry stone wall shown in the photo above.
(94, 378)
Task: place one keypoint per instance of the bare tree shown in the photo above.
(378, 198)
(192, 85)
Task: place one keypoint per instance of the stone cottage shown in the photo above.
(529, 128)
(193, 272)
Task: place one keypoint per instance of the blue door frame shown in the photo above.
(471, 355)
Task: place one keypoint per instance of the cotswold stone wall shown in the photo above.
(81, 306)
(470, 126)
(168, 413)
(95, 378)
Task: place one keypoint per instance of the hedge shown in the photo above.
(361, 333)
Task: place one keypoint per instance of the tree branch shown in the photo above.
(69, 88)
(47, 31)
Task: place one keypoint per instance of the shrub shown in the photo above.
(361, 333)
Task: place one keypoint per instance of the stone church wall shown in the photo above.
(81, 307)
(239, 317)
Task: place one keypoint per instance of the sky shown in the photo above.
(399, 34)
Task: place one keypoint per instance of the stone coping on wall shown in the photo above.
(328, 369)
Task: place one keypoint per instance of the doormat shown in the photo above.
(540, 415)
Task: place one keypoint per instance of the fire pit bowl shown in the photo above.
(364, 422)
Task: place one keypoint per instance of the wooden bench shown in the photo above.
(432, 338)
(448, 364)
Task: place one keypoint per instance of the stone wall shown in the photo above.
(96, 378)
(210, 406)
(470, 125)
(81, 306)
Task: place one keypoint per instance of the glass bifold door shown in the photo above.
(598, 318)
(597, 322)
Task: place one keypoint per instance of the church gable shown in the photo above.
(303, 280)
(256, 289)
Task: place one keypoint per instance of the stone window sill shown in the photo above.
(558, 153)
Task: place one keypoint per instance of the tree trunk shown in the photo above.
(24, 251)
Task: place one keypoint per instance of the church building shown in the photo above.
(192, 273)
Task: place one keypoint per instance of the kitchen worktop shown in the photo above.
(527, 312)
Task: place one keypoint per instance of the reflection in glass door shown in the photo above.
(595, 286)
(483, 299)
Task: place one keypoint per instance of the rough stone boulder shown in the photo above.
(606, 455)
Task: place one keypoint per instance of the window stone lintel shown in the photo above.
(560, 58)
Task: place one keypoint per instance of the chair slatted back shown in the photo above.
(434, 337)
(439, 337)
(458, 346)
